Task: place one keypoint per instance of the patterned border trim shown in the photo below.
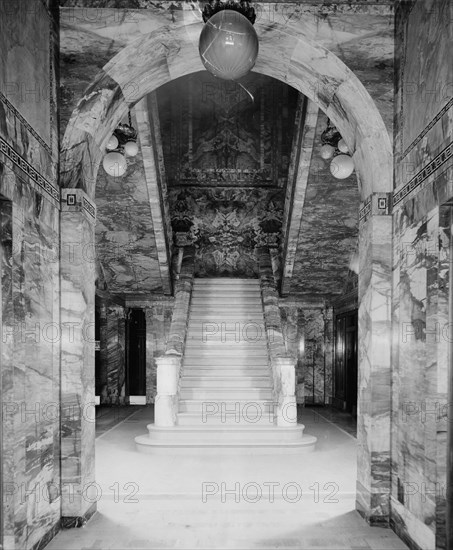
(30, 128)
(83, 204)
(424, 173)
(435, 120)
(89, 207)
(31, 172)
(365, 211)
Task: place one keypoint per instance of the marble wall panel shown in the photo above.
(420, 356)
(31, 334)
(113, 355)
(158, 321)
(215, 132)
(308, 335)
(226, 225)
(329, 228)
(31, 328)
(125, 242)
(77, 272)
(421, 319)
(374, 368)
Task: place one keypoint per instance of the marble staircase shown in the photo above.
(226, 397)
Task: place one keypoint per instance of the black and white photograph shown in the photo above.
(226, 274)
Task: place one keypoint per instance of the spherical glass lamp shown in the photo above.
(342, 146)
(112, 143)
(342, 167)
(131, 148)
(114, 164)
(228, 45)
(327, 151)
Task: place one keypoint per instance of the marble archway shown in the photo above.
(285, 54)
(289, 55)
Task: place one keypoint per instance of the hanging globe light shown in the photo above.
(228, 44)
(342, 147)
(112, 143)
(131, 148)
(327, 151)
(114, 164)
(342, 167)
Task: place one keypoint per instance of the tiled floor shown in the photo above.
(150, 502)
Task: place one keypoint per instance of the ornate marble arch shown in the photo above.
(289, 53)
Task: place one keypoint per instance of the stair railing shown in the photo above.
(168, 376)
(282, 365)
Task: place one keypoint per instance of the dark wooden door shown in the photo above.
(136, 364)
(350, 359)
(345, 371)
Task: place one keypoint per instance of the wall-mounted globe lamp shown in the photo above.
(334, 147)
(122, 143)
(228, 42)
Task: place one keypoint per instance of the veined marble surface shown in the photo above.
(420, 378)
(30, 364)
(31, 329)
(125, 241)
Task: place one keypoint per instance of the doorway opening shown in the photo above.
(136, 357)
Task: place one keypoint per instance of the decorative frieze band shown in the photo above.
(424, 173)
(19, 161)
(25, 123)
(435, 120)
(76, 200)
(377, 204)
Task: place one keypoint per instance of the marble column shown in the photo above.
(77, 272)
(374, 361)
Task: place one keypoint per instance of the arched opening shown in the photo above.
(147, 64)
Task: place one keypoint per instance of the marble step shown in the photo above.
(216, 372)
(227, 393)
(220, 361)
(217, 382)
(202, 318)
(209, 339)
(254, 418)
(228, 304)
(245, 407)
(225, 298)
(248, 332)
(219, 348)
(227, 325)
(227, 433)
(225, 281)
(222, 291)
(223, 440)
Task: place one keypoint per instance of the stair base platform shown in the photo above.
(184, 440)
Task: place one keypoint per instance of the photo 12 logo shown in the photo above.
(253, 492)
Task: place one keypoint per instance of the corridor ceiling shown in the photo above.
(225, 157)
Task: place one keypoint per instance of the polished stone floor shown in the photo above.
(221, 502)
